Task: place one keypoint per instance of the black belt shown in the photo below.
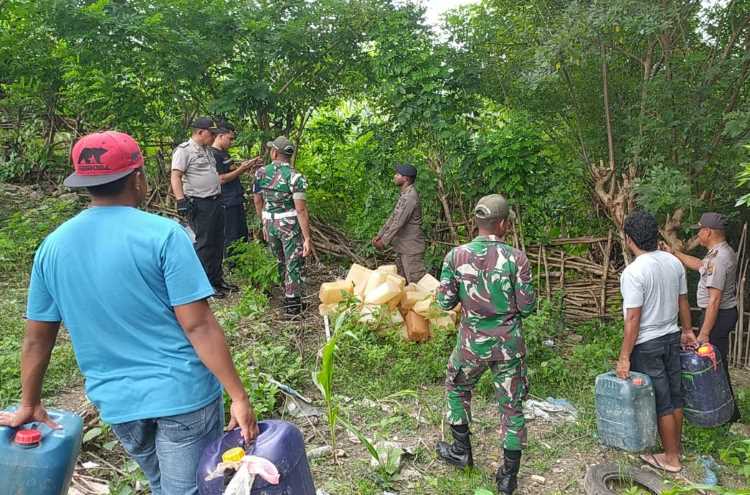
(207, 198)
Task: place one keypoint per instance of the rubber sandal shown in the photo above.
(652, 461)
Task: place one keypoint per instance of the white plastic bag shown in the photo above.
(242, 482)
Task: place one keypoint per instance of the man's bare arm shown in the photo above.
(175, 179)
(207, 337)
(38, 342)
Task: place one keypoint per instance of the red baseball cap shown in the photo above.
(103, 157)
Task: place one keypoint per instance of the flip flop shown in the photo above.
(652, 461)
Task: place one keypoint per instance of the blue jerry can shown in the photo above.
(280, 442)
(708, 398)
(37, 460)
(626, 411)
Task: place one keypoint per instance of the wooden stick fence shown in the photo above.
(590, 283)
(739, 345)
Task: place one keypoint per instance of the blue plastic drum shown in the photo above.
(281, 443)
(708, 398)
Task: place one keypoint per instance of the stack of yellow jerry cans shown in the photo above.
(381, 295)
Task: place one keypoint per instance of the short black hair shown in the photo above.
(487, 223)
(642, 228)
(111, 188)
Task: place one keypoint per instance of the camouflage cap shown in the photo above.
(282, 144)
(711, 220)
(493, 206)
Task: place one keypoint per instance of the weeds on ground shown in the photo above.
(390, 363)
(23, 231)
(252, 264)
(62, 369)
(253, 303)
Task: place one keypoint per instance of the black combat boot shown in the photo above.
(457, 453)
(293, 306)
(507, 474)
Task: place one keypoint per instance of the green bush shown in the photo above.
(391, 363)
(258, 363)
(23, 231)
(253, 264)
(252, 303)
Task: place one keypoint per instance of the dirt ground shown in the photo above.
(554, 464)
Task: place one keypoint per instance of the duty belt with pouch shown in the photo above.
(267, 215)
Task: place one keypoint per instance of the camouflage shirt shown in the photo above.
(280, 185)
(492, 281)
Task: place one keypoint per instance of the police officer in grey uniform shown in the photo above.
(717, 288)
(196, 186)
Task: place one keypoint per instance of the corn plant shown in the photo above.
(323, 378)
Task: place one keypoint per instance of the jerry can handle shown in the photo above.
(37, 425)
(242, 443)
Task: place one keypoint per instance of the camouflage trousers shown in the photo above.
(511, 387)
(287, 248)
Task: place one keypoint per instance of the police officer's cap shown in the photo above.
(494, 206)
(205, 123)
(406, 170)
(282, 145)
(711, 220)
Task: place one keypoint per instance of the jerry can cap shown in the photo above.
(28, 437)
(233, 455)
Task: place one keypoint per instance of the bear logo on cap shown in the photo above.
(89, 154)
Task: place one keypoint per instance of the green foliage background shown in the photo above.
(508, 97)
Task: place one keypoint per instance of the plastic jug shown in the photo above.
(37, 460)
(333, 292)
(708, 398)
(279, 442)
(359, 275)
(626, 411)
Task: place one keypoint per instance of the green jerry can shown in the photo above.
(626, 411)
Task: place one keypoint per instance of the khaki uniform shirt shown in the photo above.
(196, 162)
(403, 230)
(719, 271)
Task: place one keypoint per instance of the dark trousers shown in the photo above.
(726, 320)
(235, 225)
(207, 221)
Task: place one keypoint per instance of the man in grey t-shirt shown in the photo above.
(717, 288)
(197, 189)
(654, 293)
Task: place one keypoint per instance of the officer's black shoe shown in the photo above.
(219, 293)
(457, 453)
(507, 475)
(293, 306)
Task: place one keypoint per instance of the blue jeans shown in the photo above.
(168, 449)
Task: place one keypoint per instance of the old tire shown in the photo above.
(598, 475)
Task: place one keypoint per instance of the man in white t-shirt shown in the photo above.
(654, 293)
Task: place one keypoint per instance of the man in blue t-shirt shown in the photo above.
(132, 294)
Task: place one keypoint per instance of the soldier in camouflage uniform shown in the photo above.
(492, 281)
(280, 201)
